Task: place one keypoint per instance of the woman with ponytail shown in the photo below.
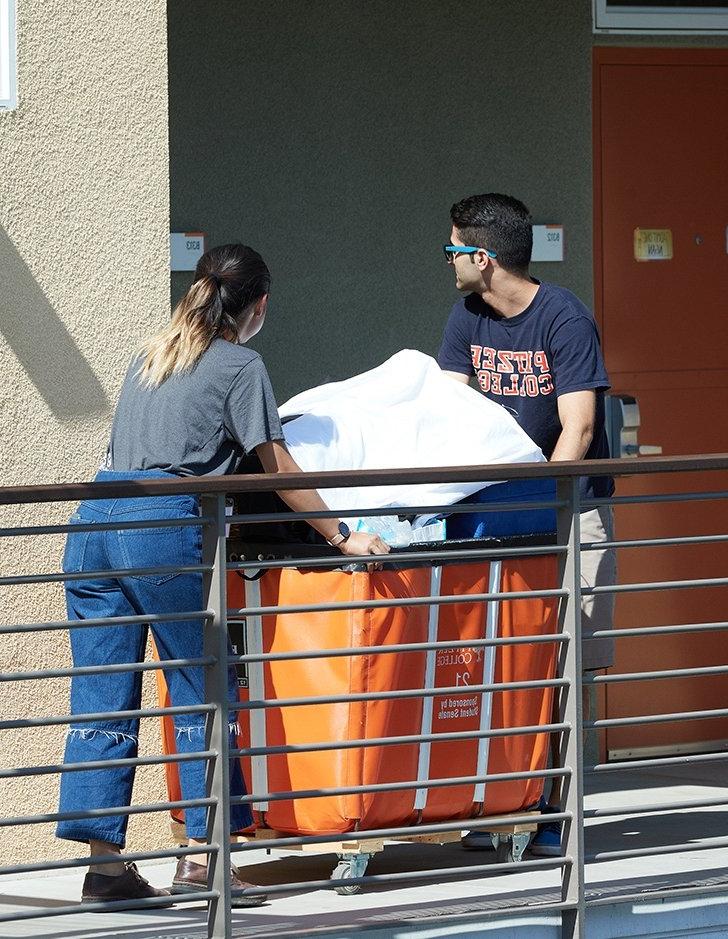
(195, 402)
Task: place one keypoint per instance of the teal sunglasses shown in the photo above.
(451, 250)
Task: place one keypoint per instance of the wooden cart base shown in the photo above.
(509, 843)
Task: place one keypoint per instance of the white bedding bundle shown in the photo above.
(404, 413)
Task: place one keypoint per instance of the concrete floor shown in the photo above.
(470, 906)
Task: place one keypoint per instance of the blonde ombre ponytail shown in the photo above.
(227, 281)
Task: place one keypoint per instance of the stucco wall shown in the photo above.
(84, 215)
(334, 136)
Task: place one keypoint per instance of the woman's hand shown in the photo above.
(275, 458)
(361, 542)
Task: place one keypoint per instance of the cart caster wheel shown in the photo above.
(519, 844)
(347, 867)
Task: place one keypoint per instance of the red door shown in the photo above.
(661, 163)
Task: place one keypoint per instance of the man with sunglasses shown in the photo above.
(534, 348)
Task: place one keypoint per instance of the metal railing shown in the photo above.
(213, 615)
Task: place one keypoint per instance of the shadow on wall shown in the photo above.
(41, 342)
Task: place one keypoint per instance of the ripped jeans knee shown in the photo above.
(91, 733)
(191, 728)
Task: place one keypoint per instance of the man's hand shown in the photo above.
(576, 413)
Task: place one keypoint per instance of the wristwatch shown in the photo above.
(341, 537)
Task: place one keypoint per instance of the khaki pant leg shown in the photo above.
(598, 569)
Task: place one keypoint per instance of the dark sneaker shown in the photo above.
(100, 888)
(190, 877)
(547, 840)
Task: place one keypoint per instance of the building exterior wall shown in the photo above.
(84, 216)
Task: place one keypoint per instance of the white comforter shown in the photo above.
(405, 413)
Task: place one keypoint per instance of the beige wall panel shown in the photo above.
(84, 266)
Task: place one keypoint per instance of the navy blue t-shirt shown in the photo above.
(525, 362)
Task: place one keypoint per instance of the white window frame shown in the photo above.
(655, 20)
(8, 98)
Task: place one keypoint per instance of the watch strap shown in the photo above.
(341, 536)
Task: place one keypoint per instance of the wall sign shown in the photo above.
(653, 244)
(186, 249)
(548, 243)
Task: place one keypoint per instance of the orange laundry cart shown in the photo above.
(471, 713)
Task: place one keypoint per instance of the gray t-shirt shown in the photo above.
(196, 423)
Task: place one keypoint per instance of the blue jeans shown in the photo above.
(103, 596)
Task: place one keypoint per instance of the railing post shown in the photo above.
(573, 925)
(219, 921)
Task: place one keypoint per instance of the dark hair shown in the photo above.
(238, 276)
(500, 223)
(227, 281)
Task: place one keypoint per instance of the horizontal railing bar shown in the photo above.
(105, 716)
(397, 602)
(658, 718)
(460, 690)
(104, 813)
(199, 485)
(660, 630)
(396, 741)
(452, 508)
(654, 542)
(70, 863)
(658, 761)
(51, 769)
(399, 558)
(661, 497)
(668, 893)
(17, 580)
(430, 829)
(657, 585)
(601, 856)
(400, 647)
(655, 807)
(107, 526)
(109, 906)
(201, 568)
(666, 673)
(451, 873)
(395, 786)
(104, 669)
(106, 621)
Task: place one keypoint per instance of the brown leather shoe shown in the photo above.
(190, 877)
(100, 888)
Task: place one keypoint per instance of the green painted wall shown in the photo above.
(334, 136)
